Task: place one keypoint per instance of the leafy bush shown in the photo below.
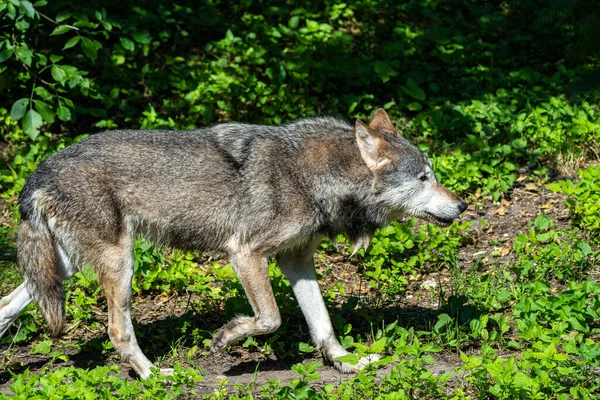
(584, 199)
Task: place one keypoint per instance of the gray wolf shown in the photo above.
(246, 190)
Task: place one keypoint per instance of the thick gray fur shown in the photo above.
(246, 190)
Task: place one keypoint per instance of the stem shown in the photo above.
(56, 23)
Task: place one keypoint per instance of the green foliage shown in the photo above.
(396, 251)
(492, 91)
(540, 373)
(105, 65)
(162, 271)
(584, 199)
(574, 313)
(100, 383)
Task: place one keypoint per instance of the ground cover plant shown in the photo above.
(503, 96)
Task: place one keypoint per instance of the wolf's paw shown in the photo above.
(219, 344)
(347, 368)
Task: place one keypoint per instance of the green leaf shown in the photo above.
(351, 359)
(43, 93)
(90, 48)
(25, 54)
(44, 110)
(584, 247)
(58, 74)
(28, 7)
(294, 21)
(519, 143)
(6, 54)
(414, 90)
(143, 37)
(378, 346)
(72, 42)
(127, 44)
(12, 11)
(42, 347)
(305, 347)
(62, 16)
(384, 70)
(18, 109)
(31, 123)
(554, 187)
(443, 320)
(541, 222)
(414, 106)
(60, 30)
(64, 114)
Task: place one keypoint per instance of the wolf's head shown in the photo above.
(404, 181)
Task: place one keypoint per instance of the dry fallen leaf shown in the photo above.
(505, 250)
(532, 187)
(499, 211)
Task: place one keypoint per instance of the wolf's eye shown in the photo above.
(423, 177)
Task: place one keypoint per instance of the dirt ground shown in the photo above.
(505, 220)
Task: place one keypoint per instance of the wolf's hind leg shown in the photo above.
(12, 305)
(298, 267)
(115, 272)
(253, 272)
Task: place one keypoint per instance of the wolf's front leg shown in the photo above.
(253, 272)
(298, 267)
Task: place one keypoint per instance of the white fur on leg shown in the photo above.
(300, 271)
(11, 306)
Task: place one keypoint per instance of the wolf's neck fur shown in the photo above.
(341, 186)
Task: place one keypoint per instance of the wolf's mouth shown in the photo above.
(440, 220)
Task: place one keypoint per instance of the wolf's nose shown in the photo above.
(462, 206)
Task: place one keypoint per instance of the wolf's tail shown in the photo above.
(39, 263)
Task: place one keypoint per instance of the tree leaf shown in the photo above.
(25, 54)
(43, 92)
(60, 30)
(294, 21)
(414, 106)
(62, 16)
(413, 90)
(18, 109)
(55, 58)
(6, 54)
(72, 42)
(127, 44)
(44, 110)
(58, 74)
(28, 7)
(64, 114)
(143, 37)
(31, 123)
(90, 48)
(384, 70)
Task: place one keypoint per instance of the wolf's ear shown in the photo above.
(381, 121)
(371, 146)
